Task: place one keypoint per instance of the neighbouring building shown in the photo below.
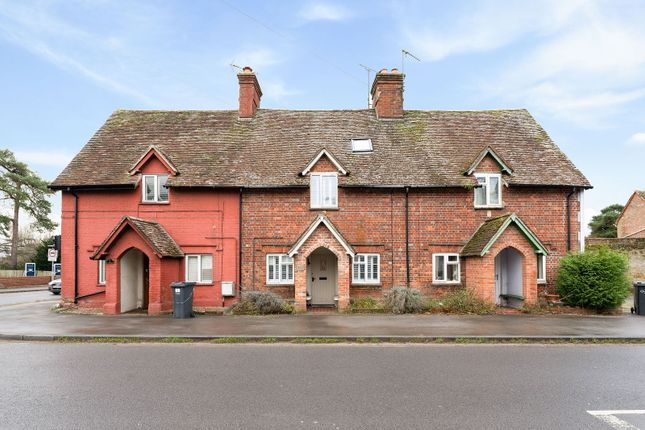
(317, 206)
(631, 221)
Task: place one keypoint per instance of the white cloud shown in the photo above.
(637, 139)
(42, 158)
(277, 90)
(324, 12)
(256, 58)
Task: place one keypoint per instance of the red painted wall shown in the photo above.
(200, 221)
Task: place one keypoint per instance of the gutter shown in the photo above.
(407, 238)
(573, 190)
(75, 194)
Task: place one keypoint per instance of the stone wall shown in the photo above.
(634, 247)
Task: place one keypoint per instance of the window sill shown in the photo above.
(324, 209)
(203, 284)
(281, 284)
(542, 282)
(99, 285)
(154, 203)
(444, 284)
(489, 207)
(366, 284)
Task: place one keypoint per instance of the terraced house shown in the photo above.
(317, 206)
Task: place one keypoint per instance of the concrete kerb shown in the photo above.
(356, 340)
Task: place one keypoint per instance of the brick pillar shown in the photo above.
(300, 282)
(112, 285)
(155, 302)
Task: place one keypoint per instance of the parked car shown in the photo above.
(54, 286)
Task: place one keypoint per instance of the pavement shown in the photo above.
(24, 289)
(35, 320)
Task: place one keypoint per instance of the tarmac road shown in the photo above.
(14, 298)
(282, 386)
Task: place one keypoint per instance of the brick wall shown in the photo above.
(200, 221)
(634, 247)
(632, 221)
(371, 220)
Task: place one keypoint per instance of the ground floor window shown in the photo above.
(445, 268)
(199, 268)
(279, 269)
(101, 271)
(541, 268)
(366, 269)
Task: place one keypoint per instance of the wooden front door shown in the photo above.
(324, 267)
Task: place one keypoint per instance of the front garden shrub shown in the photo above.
(401, 300)
(595, 279)
(465, 301)
(261, 303)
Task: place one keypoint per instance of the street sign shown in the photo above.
(30, 269)
(52, 255)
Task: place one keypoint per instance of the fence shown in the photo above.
(19, 273)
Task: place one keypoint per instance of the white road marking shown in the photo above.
(610, 418)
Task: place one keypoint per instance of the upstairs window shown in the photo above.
(366, 269)
(154, 188)
(361, 145)
(445, 268)
(279, 269)
(488, 192)
(324, 190)
(199, 268)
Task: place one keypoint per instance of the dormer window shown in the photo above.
(362, 145)
(488, 192)
(154, 189)
(324, 190)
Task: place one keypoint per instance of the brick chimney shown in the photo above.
(250, 92)
(387, 94)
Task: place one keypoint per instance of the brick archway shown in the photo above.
(321, 238)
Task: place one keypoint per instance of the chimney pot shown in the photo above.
(387, 94)
(250, 92)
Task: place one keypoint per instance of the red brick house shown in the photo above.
(631, 221)
(327, 205)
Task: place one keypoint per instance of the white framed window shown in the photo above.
(324, 190)
(541, 268)
(101, 271)
(154, 188)
(199, 268)
(488, 192)
(279, 269)
(445, 268)
(366, 269)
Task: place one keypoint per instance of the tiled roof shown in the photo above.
(151, 231)
(217, 149)
(488, 233)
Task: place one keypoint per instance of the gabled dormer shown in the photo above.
(155, 168)
(488, 169)
(323, 171)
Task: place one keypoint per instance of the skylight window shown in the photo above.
(362, 145)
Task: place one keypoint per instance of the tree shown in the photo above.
(40, 256)
(26, 191)
(604, 224)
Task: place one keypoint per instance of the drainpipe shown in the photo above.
(75, 244)
(569, 218)
(407, 238)
(239, 259)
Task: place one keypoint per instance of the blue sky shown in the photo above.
(578, 66)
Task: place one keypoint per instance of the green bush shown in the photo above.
(400, 300)
(594, 279)
(365, 304)
(261, 303)
(463, 301)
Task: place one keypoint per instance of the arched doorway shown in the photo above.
(509, 288)
(134, 267)
(322, 275)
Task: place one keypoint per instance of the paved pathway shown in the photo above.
(36, 319)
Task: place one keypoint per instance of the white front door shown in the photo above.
(323, 277)
(131, 280)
